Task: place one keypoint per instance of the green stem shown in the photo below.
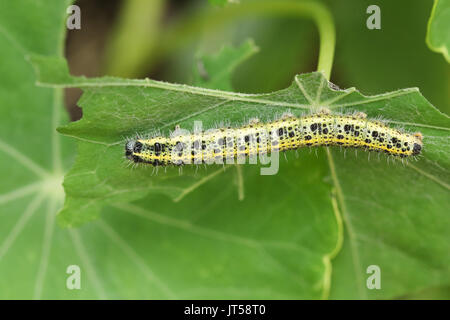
(131, 44)
(207, 21)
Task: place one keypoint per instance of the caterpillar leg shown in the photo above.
(324, 110)
(286, 115)
(360, 115)
(253, 121)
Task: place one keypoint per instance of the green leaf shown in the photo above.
(281, 275)
(209, 243)
(114, 108)
(383, 204)
(438, 35)
(32, 154)
(215, 71)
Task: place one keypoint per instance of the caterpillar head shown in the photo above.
(132, 147)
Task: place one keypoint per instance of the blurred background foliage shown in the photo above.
(161, 39)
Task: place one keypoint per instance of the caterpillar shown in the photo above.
(289, 132)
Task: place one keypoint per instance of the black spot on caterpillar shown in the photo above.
(224, 145)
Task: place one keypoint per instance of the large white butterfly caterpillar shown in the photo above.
(289, 132)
